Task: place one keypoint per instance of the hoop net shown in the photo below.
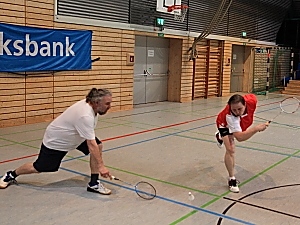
(178, 15)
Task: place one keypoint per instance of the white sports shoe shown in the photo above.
(99, 188)
(233, 185)
(6, 180)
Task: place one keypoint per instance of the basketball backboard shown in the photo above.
(162, 5)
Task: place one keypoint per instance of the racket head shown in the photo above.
(289, 105)
(145, 190)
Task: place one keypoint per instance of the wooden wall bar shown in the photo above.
(187, 72)
(227, 52)
(208, 69)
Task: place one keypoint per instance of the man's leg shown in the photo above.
(10, 176)
(95, 185)
(93, 161)
(94, 168)
(48, 161)
(27, 168)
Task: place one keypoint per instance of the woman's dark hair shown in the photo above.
(236, 99)
(95, 95)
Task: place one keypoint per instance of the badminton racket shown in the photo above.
(143, 189)
(289, 105)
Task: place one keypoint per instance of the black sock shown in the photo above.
(94, 179)
(13, 173)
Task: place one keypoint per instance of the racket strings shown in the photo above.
(290, 105)
(145, 190)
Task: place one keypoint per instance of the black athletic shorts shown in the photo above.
(224, 131)
(49, 160)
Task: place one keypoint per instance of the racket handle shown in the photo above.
(114, 178)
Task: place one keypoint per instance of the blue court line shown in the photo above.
(168, 200)
(155, 138)
(143, 141)
(176, 133)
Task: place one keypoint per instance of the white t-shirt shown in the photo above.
(71, 128)
(233, 123)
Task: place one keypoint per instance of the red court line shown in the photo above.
(153, 129)
(24, 157)
(131, 134)
(122, 136)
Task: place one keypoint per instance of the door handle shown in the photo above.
(146, 72)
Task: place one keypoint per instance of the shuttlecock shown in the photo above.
(191, 196)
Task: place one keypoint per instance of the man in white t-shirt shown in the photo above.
(73, 129)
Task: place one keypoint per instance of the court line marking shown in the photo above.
(168, 200)
(243, 183)
(182, 131)
(162, 136)
(262, 207)
(253, 193)
(116, 137)
(175, 134)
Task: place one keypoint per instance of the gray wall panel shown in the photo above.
(271, 15)
(261, 19)
(242, 18)
(201, 13)
(115, 11)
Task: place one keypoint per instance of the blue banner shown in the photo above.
(24, 49)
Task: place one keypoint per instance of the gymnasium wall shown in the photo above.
(36, 97)
(261, 19)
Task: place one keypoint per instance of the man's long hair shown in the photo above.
(95, 95)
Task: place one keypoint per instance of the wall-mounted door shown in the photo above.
(150, 70)
(237, 68)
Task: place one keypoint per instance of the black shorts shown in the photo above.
(83, 147)
(49, 160)
(224, 131)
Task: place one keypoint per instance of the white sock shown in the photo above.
(232, 178)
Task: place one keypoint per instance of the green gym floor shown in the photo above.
(171, 146)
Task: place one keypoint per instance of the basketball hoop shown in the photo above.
(178, 15)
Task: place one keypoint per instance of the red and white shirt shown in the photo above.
(225, 119)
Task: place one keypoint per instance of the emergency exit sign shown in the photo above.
(160, 22)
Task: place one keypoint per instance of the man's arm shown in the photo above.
(245, 135)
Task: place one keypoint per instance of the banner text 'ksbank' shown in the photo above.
(24, 49)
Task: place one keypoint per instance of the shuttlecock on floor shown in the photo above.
(191, 196)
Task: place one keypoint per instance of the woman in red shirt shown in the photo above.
(233, 123)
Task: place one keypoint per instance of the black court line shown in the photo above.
(257, 206)
(261, 207)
